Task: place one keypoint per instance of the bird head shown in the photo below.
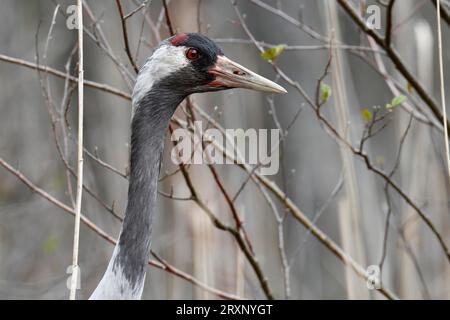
(190, 63)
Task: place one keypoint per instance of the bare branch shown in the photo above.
(163, 266)
(125, 36)
(396, 60)
(62, 75)
(388, 35)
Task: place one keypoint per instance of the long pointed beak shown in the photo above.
(229, 74)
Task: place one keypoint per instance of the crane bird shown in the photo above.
(181, 65)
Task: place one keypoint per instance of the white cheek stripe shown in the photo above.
(164, 61)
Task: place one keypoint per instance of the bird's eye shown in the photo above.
(192, 54)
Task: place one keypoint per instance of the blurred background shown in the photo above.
(329, 182)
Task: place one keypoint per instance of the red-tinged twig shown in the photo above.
(167, 267)
(125, 36)
(226, 195)
(222, 226)
(91, 225)
(63, 75)
(168, 20)
(388, 35)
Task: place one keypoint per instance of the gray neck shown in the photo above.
(125, 275)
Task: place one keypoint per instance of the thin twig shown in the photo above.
(443, 12)
(332, 131)
(396, 60)
(129, 15)
(297, 213)
(168, 20)
(76, 237)
(169, 268)
(125, 36)
(388, 35)
(386, 188)
(64, 75)
(99, 38)
(324, 46)
(222, 226)
(91, 225)
(229, 201)
(442, 87)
